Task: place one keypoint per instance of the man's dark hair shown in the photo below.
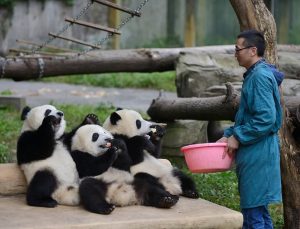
(254, 38)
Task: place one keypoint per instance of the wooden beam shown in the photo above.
(118, 7)
(74, 40)
(46, 46)
(37, 52)
(114, 21)
(92, 25)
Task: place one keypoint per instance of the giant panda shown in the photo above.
(47, 165)
(94, 150)
(132, 128)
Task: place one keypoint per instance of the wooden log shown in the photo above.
(12, 180)
(212, 108)
(130, 60)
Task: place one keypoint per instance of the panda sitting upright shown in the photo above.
(48, 166)
(132, 128)
(93, 150)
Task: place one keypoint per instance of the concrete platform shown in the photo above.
(187, 213)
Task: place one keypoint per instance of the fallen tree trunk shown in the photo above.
(134, 60)
(212, 108)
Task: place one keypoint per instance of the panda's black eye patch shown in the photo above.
(47, 112)
(95, 137)
(138, 124)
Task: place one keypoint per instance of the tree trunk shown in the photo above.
(254, 14)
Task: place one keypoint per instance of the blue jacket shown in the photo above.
(256, 125)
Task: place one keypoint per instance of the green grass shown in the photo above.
(156, 80)
(10, 123)
(219, 188)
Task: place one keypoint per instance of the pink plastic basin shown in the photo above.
(206, 158)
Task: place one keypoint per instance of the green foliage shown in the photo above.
(6, 3)
(156, 80)
(6, 92)
(10, 125)
(164, 42)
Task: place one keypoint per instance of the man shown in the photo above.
(253, 139)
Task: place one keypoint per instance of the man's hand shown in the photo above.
(232, 146)
(223, 139)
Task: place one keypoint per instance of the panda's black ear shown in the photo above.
(119, 108)
(114, 118)
(25, 112)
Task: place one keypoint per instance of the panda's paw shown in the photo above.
(118, 145)
(51, 121)
(51, 203)
(168, 201)
(106, 209)
(190, 194)
(91, 119)
(46, 203)
(157, 132)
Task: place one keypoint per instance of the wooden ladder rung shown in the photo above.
(37, 52)
(46, 46)
(92, 25)
(117, 7)
(74, 40)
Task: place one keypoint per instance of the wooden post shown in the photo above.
(190, 28)
(113, 22)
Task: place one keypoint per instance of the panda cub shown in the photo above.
(93, 150)
(103, 164)
(132, 128)
(48, 166)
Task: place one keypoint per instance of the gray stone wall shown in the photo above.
(33, 20)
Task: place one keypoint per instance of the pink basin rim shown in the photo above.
(193, 146)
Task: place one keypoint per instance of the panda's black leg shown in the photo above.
(92, 195)
(40, 189)
(152, 193)
(187, 184)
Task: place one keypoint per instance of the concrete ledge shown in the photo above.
(186, 214)
(17, 102)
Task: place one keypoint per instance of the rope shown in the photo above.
(66, 27)
(41, 64)
(99, 43)
(109, 35)
(3, 63)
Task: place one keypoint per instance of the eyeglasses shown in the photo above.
(239, 49)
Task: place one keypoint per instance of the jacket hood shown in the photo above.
(279, 76)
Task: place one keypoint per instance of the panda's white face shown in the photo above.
(127, 122)
(35, 116)
(92, 139)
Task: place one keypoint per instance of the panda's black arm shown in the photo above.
(136, 146)
(89, 165)
(36, 145)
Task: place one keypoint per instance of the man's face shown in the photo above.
(244, 54)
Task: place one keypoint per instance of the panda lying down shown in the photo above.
(133, 175)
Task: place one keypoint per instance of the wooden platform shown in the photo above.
(187, 213)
